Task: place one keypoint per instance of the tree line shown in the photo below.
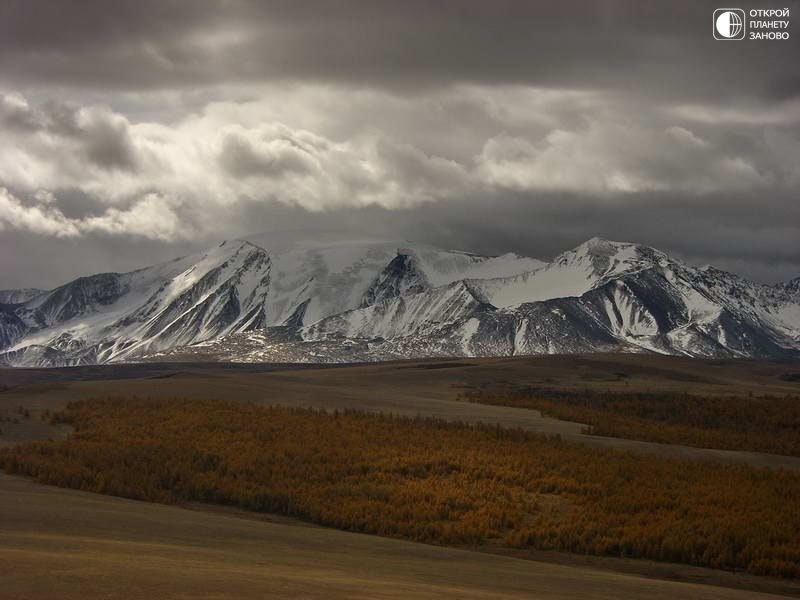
(758, 423)
(425, 480)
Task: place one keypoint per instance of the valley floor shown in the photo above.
(426, 388)
(63, 544)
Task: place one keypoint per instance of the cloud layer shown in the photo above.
(487, 126)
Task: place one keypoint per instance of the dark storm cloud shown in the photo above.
(758, 244)
(663, 47)
(761, 245)
(697, 230)
(54, 118)
(72, 202)
(108, 144)
(47, 262)
(722, 230)
(135, 131)
(101, 136)
(242, 158)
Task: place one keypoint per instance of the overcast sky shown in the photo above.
(132, 132)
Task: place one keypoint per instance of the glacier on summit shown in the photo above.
(292, 299)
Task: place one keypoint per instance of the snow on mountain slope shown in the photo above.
(655, 303)
(327, 276)
(313, 279)
(400, 315)
(235, 287)
(12, 328)
(110, 316)
(445, 267)
(328, 299)
(572, 273)
(601, 296)
(19, 296)
(784, 310)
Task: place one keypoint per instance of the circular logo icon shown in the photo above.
(729, 24)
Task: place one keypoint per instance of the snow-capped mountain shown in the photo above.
(326, 300)
(111, 316)
(598, 297)
(19, 296)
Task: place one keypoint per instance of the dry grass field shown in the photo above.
(430, 388)
(425, 480)
(99, 546)
(68, 545)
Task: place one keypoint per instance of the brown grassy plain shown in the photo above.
(425, 388)
(58, 543)
(68, 545)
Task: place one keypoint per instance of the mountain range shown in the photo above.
(292, 299)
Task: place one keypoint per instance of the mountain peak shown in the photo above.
(597, 251)
(287, 241)
(598, 241)
(397, 299)
(600, 250)
(18, 296)
(598, 246)
(601, 245)
(792, 286)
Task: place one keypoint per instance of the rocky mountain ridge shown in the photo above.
(354, 300)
